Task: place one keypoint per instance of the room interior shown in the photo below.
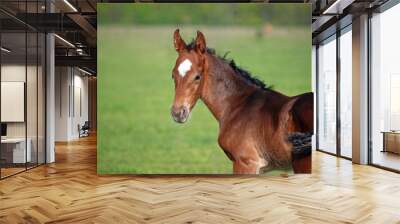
(49, 91)
(25, 68)
(335, 74)
(22, 102)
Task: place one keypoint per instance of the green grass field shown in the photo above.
(136, 134)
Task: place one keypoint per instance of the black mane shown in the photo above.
(238, 70)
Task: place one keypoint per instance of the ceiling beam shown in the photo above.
(337, 7)
(49, 22)
(320, 22)
(81, 61)
(84, 24)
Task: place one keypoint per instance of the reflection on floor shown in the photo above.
(10, 169)
(70, 191)
(387, 159)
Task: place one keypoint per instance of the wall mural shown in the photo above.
(204, 89)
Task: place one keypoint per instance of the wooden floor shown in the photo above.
(5, 172)
(387, 159)
(69, 191)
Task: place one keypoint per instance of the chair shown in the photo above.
(84, 130)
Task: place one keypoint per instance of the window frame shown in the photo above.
(346, 27)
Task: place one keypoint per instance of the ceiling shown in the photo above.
(329, 15)
(74, 22)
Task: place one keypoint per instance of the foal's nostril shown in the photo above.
(180, 114)
(175, 112)
(184, 112)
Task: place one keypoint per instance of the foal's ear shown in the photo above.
(178, 41)
(200, 42)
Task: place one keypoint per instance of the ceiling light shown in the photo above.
(5, 50)
(79, 51)
(65, 41)
(70, 5)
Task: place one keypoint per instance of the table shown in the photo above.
(17, 150)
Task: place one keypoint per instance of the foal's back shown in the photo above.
(280, 115)
(303, 113)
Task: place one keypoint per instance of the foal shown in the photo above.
(254, 121)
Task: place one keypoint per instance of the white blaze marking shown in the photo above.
(184, 67)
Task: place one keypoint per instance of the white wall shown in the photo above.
(62, 82)
(81, 103)
(71, 87)
(33, 126)
(12, 73)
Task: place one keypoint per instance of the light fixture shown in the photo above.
(70, 5)
(80, 51)
(65, 41)
(84, 71)
(5, 50)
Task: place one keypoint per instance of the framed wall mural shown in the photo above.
(204, 89)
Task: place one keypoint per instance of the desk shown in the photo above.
(17, 150)
(391, 141)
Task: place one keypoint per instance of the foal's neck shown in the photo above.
(223, 88)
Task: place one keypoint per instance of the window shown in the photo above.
(385, 89)
(346, 93)
(327, 96)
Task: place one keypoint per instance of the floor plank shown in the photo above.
(70, 191)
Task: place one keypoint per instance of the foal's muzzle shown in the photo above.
(180, 114)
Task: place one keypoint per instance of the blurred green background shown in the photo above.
(136, 134)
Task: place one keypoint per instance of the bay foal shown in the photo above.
(254, 121)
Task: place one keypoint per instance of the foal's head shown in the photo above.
(188, 75)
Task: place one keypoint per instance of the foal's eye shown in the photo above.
(197, 77)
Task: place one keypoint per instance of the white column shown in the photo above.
(360, 90)
(50, 99)
(50, 92)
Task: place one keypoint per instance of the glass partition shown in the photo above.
(22, 89)
(14, 153)
(327, 95)
(41, 91)
(31, 100)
